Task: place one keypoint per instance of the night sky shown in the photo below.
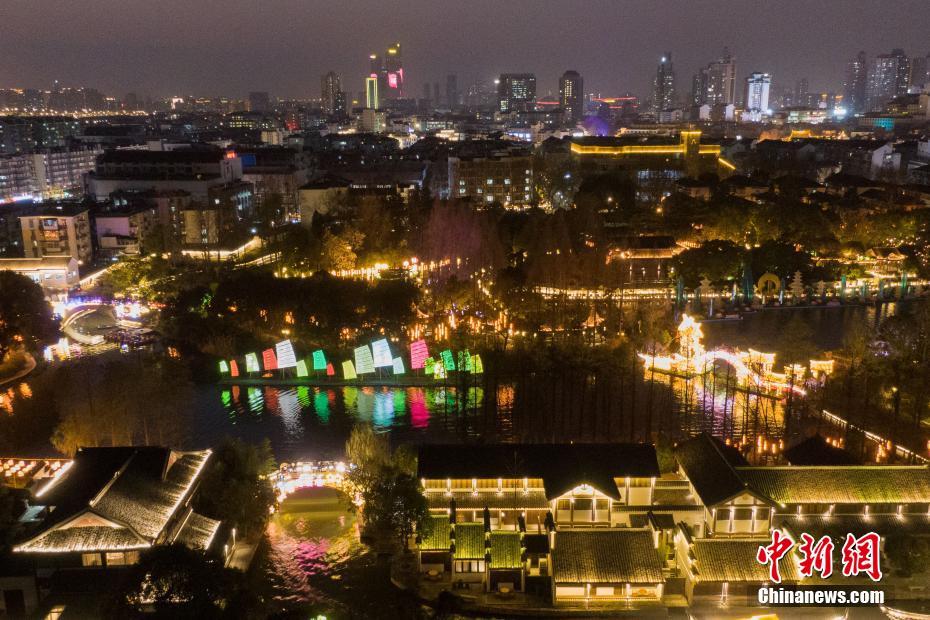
(228, 47)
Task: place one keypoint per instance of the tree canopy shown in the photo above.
(234, 488)
(25, 317)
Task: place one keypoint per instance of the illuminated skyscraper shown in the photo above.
(757, 95)
(389, 70)
(855, 85)
(372, 101)
(571, 95)
(888, 78)
(516, 92)
(663, 93)
(394, 68)
(715, 83)
(330, 86)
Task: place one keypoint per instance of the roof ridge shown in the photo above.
(719, 451)
(100, 494)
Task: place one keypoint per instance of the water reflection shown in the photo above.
(314, 556)
(305, 422)
(302, 421)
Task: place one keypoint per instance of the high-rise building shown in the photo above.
(62, 229)
(663, 88)
(394, 68)
(757, 95)
(571, 95)
(372, 102)
(427, 93)
(341, 105)
(452, 91)
(888, 78)
(715, 83)
(802, 93)
(699, 87)
(436, 96)
(516, 92)
(920, 74)
(330, 86)
(259, 101)
(855, 88)
(389, 72)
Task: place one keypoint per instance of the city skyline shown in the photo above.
(614, 46)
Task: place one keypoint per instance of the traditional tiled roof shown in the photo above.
(97, 537)
(719, 474)
(561, 466)
(709, 466)
(505, 500)
(146, 502)
(672, 496)
(659, 521)
(837, 526)
(505, 550)
(875, 484)
(437, 538)
(198, 531)
(469, 541)
(133, 492)
(605, 556)
(717, 559)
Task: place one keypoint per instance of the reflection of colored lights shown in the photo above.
(419, 414)
(256, 401)
(321, 406)
(383, 414)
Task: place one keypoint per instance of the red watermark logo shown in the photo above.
(859, 556)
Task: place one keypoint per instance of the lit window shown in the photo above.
(116, 559)
(490, 181)
(91, 559)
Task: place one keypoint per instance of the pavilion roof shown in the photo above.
(198, 531)
(837, 526)
(709, 466)
(508, 499)
(605, 556)
(134, 492)
(561, 466)
(864, 484)
(469, 541)
(505, 550)
(718, 559)
(437, 539)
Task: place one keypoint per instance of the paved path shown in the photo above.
(242, 555)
